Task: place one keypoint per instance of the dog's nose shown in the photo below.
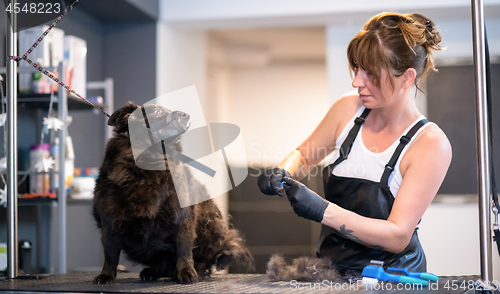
(182, 114)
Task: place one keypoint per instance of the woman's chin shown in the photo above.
(367, 104)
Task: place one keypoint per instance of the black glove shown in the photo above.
(270, 181)
(305, 202)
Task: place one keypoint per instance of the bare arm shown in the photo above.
(321, 142)
(296, 164)
(428, 162)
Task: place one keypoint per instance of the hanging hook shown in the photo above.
(495, 212)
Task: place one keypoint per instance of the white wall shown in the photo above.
(181, 60)
(457, 37)
(449, 234)
(262, 13)
(337, 39)
(277, 107)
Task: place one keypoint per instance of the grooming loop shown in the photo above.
(495, 213)
(46, 72)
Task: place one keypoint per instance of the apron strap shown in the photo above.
(497, 238)
(346, 146)
(403, 141)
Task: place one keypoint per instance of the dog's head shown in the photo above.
(119, 118)
(164, 124)
(150, 128)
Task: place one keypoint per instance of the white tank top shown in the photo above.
(363, 163)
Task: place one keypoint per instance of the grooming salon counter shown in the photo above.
(229, 283)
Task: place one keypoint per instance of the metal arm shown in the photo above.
(11, 82)
(62, 111)
(482, 137)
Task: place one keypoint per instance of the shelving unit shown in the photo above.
(63, 102)
(108, 30)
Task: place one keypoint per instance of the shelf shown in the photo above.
(49, 201)
(22, 173)
(36, 201)
(43, 100)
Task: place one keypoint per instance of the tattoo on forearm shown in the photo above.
(348, 234)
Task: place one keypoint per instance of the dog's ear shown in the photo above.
(119, 119)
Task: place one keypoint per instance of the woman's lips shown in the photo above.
(361, 96)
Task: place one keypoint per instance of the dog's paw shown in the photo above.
(148, 274)
(103, 279)
(187, 275)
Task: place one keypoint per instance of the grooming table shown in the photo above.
(229, 283)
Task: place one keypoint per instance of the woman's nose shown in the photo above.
(358, 81)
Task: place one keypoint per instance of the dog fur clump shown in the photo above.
(138, 211)
(304, 268)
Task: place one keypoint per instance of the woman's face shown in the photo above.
(373, 96)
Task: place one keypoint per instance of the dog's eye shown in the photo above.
(158, 111)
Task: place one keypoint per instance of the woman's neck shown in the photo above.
(399, 115)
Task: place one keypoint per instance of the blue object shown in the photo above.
(377, 272)
(423, 276)
(282, 184)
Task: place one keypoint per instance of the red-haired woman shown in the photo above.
(388, 161)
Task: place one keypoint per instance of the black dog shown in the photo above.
(138, 210)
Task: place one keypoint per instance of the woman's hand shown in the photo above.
(270, 181)
(305, 202)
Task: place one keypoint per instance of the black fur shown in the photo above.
(138, 212)
(302, 269)
(307, 269)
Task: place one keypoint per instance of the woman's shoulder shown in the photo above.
(347, 101)
(431, 143)
(432, 137)
(431, 134)
(342, 111)
(346, 106)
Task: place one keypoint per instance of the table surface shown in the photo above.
(219, 283)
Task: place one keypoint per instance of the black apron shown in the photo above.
(370, 199)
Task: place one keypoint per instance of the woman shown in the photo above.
(388, 161)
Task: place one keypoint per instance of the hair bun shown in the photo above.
(432, 36)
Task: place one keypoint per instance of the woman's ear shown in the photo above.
(409, 77)
(119, 118)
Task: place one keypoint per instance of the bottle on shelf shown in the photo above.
(39, 182)
(54, 180)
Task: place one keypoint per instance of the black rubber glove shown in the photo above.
(270, 181)
(305, 202)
